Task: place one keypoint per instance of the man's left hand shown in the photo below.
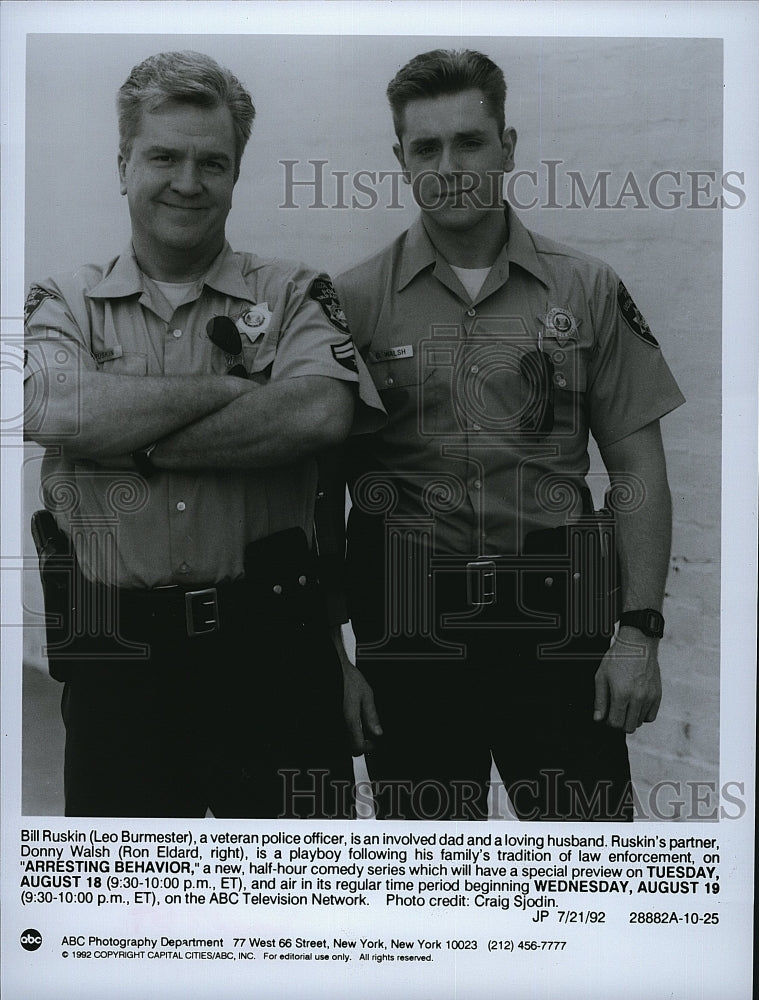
(628, 685)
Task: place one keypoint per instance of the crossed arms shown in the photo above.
(201, 422)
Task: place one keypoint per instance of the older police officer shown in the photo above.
(482, 581)
(182, 391)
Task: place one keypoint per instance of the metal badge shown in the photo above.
(255, 321)
(561, 324)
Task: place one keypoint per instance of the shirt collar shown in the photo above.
(520, 247)
(225, 275)
(419, 252)
(124, 277)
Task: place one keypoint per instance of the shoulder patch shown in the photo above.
(632, 316)
(34, 300)
(323, 291)
(345, 354)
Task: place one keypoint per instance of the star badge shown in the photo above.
(254, 321)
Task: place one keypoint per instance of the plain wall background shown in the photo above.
(619, 105)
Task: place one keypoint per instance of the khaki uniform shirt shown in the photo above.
(186, 528)
(458, 448)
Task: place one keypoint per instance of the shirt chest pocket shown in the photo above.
(552, 387)
(568, 364)
(398, 373)
(569, 378)
(402, 384)
(258, 357)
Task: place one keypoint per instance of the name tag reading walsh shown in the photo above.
(392, 353)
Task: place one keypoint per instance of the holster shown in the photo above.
(58, 567)
(281, 574)
(572, 571)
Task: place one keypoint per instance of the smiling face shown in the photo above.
(454, 157)
(178, 176)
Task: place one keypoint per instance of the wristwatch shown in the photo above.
(142, 462)
(648, 621)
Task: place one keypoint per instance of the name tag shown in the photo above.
(109, 354)
(407, 351)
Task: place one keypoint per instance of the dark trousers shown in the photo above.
(246, 722)
(520, 691)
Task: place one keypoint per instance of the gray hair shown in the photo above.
(185, 77)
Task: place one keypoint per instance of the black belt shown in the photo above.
(196, 612)
(87, 619)
(563, 580)
(203, 611)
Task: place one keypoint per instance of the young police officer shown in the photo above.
(181, 391)
(482, 582)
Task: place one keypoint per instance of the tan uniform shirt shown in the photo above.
(450, 371)
(187, 528)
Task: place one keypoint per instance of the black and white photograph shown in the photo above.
(379, 500)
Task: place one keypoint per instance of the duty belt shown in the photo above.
(198, 612)
(208, 610)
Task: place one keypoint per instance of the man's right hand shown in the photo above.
(359, 710)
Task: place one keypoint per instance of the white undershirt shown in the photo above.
(472, 278)
(175, 292)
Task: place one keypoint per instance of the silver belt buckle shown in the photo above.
(202, 611)
(480, 582)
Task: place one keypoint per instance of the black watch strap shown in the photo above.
(142, 462)
(648, 621)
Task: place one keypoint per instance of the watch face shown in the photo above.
(654, 623)
(650, 622)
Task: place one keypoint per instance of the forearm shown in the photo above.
(643, 543)
(97, 416)
(644, 527)
(338, 641)
(273, 424)
(628, 684)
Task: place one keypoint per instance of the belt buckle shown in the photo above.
(480, 582)
(202, 611)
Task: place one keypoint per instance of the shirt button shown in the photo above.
(389, 380)
(476, 427)
(548, 581)
(471, 312)
(181, 505)
(176, 333)
(277, 588)
(302, 580)
(560, 380)
(184, 568)
(477, 484)
(474, 369)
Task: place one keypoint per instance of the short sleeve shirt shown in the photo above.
(187, 528)
(491, 401)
